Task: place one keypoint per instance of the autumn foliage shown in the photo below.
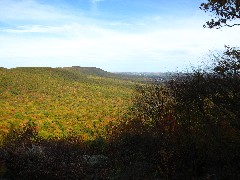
(74, 126)
(190, 124)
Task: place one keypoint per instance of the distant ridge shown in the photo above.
(90, 70)
(76, 72)
(83, 70)
(86, 68)
(32, 67)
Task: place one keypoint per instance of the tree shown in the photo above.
(226, 82)
(229, 63)
(226, 13)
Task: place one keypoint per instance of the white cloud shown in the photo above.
(87, 43)
(96, 1)
(24, 10)
(95, 5)
(34, 29)
(32, 11)
(70, 39)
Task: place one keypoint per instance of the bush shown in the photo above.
(187, 128)
(190, 124)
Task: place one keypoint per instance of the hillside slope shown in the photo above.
(62, 102)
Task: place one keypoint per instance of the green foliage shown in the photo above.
(62, 101)
(189, 124)
(73, 125)
(152, 103)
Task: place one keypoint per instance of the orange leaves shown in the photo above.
(62, 102)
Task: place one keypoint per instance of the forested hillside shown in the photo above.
(62, 102)
(86, 123)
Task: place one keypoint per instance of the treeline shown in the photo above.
(187, 128)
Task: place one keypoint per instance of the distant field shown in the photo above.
(62, 102)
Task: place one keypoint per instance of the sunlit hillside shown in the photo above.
(62, 102)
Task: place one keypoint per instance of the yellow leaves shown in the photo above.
(61, 104)
(44, 134)
(4, 129)
(57, 132)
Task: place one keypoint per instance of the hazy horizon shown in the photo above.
(114, 35)
(92, 67)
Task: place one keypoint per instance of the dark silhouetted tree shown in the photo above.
(225, 13)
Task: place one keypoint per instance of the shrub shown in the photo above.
(190, 124)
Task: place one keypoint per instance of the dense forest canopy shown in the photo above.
(85, 123)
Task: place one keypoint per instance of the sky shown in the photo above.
(114, 35)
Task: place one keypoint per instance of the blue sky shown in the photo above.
(115, 35)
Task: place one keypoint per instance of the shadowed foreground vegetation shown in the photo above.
(186, 128)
